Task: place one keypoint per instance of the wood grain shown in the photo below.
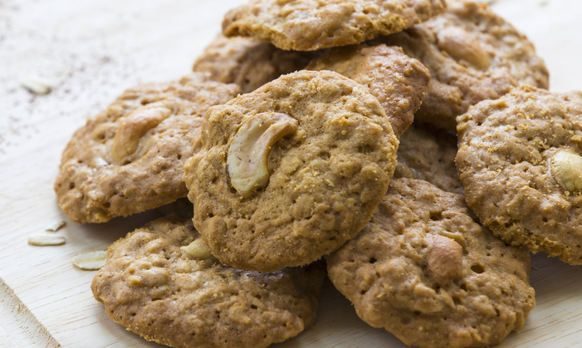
(94, 49)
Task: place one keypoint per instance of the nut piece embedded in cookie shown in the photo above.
(445, 259)
(250, 149)
(154, 286)
(567, 170)
(461, 45)
(325, 178)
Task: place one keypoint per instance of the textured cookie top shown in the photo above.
(130, 157)
(307, 25)
(315, 187)
(161, 283)
(422, 262)
(519, 161)
(398, 81)
(472, 55)
(247, 62)
(428, 153)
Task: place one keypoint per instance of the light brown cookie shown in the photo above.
(520, 162)
(426, 272)
(472, 55)
(398, 81)
(307, 25)
(248, 63)
(428, 153)
(291, 171)
(161, 282)
(130, 157)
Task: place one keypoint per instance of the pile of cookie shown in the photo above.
(294, 141)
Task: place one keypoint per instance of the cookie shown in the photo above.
(472, 55)
(519, 161)
(130, 157)
(425, 271)
(307, 25)
(161, 282)
(399, 82)
(248, 63)
(428, 153)
(291, 171)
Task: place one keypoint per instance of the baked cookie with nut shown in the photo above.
(247, 62)
(162, 283)
(520, 162)
(428, 153)
(398, 81)
(425, 271)
(130, 157)
(291, 171)
(472, 55)
(308, 25)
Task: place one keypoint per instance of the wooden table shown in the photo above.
(94, 49)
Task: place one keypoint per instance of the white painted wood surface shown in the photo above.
(94, 49)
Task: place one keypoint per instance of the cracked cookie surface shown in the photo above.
(155, 285)
(472, 55)
(130, 157)
(422, 262)
(324, 180)
(511, 157)
(307, 25)
(398, 81)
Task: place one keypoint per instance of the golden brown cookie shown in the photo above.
(425, 271)
(428, 153)
(161, 282)
(291, 171)
(248, 63)
(472, 55)
(398, 81)
(520, 162)
(130, 157)
(307, 25)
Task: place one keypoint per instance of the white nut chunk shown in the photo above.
(197, 250)
(249, 151)
(135, 125)
(445, 259)
(461, 45)
(567, 170)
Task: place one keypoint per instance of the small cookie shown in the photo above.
(398, 81)
(130, 157)
(162, 283)
(426, 272)
(520, 162)
(428, 153)
(247, 62)
(472, 55)
(291, 171)
(308, 25)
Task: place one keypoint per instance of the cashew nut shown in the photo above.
(445, 259)
(463, 46)
(567, 170)
(249, 151)
(135, 125)
(197, 249)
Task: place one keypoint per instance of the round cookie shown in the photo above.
(428, 153)
(320, 153)
(472, 55)
(247, 62)
(519, 161)
(307, 25)
(426, 272)
(398, 81)
(161, 282)
(130, 157)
